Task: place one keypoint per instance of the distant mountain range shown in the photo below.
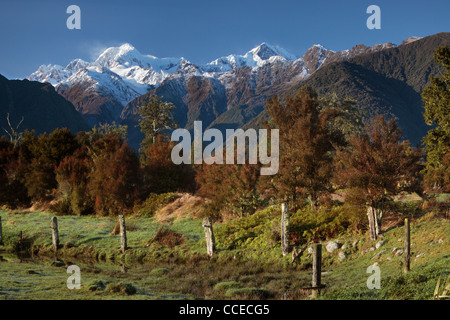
(230, 91)
(41, 108)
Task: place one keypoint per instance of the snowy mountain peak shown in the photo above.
(256, 57)
(77, 64)
(410, 39)
(113, 56)
(265, 51)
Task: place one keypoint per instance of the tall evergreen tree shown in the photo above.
(436, 101)
(155, 117)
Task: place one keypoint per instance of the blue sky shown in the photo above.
(34, 32)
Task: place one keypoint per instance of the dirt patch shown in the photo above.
(166, 237)
(185, 205)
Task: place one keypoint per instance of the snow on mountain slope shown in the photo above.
(121, 74)
(124, 73)
(257, 57)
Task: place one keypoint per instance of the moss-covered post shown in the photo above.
(1, 232)
(407, 250)
(55, 233)
(285, 228)
(317, 269)
(209, 235)
(123, 233)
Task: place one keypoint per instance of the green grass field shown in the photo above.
(248, 263)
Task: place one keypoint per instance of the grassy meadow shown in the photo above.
(167, 258)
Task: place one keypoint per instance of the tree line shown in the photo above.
(326, 144)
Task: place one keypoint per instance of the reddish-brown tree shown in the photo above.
(43, 156)
(72, 176)
(12, 191)
(115, 176)
(306, 147)
(231, 188)
(379, 165)
(161, 174)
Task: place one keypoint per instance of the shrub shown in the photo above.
(167, 238)
(248, 293)
(227, 285)
(326, 222)
(153, 203)
(122, 288)
(96, 285)
(159, 272)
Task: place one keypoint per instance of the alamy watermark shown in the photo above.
(74, 20)
(74, 281)
(374, 280)
(236, 147)
(374, 21)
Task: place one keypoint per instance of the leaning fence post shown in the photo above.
(209, 235)
(407, 250)
(1, 232)
(123, 233)
(317, 269)
(285, 228)
(55, 233)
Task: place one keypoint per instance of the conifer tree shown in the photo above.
(436, 101)
(155, 117)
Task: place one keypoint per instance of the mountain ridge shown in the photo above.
(231, 87)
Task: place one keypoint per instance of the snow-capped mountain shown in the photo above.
(121, 74)
(257, 57)
(123, 71)
(229, 89)
(101, 90)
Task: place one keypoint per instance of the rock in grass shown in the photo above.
(378, 255)
(332, 246)
(342, 256)
(379, 244)
(399, 252)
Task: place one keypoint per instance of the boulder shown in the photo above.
(332, 246)
(379, 244)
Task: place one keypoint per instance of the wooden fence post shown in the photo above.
(123, 233)
(1, 232)
(317, 269)
(209, 234)
(407, 249)
(55, 233)
(285, 228)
